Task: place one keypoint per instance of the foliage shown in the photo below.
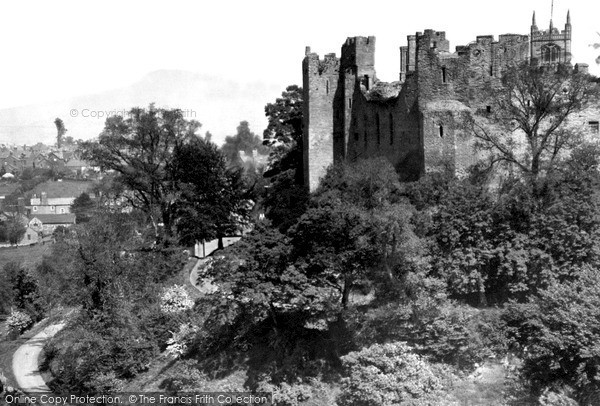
(86, 358)
(441, 330)
(139, 149)
(357, 226)
(244, 140)
(22, 290)
(83, 207)
(213, 201)
(175, 299)
(309, 393)
(19, 321)
(178, 344)
(12, 230)
(284, 134)
(261, 280)
(331, 243)
(527, 128)
(104, 266)
(60, 131)
(558, 332)
(490, 248)
(389, 374)
(285, 200)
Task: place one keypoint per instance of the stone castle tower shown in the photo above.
(416, 122)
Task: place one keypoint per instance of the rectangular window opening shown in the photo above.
(444, 76)
(391, 130)
(378, 129)
(594, 127)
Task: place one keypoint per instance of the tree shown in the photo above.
(284, 133)
(140, 149)
(390, 374)
(559, 332)
(244, 140)
(83, 206)
(12, 230)
(212, 200)
(285, 198)
(527, 127)
(60, 131)
(356, 227)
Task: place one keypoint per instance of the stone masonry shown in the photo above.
(416, 122)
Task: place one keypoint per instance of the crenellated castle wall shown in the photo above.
(417, 123)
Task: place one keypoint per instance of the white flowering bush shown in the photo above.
(19, 321)
(389, 374)
(175, 300)
(179, 342)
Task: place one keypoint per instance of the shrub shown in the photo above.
(19, 321)
(175, 300)
(389, 374)
(308, 393)
(179, 342)
(559, 333)
(83, 360)
(434, 327)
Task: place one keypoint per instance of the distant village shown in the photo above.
(38, 185)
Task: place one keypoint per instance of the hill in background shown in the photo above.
(217, 103)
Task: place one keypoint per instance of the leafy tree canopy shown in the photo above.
(244, 140)
(527, 126)
(162, 168)
(284, 133)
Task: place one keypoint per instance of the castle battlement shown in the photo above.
(416, 123)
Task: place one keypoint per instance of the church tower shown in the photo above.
(551, 47)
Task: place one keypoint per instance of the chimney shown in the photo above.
(44, 199)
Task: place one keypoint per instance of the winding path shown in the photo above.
(25, 361)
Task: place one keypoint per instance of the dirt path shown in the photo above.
(25, 361)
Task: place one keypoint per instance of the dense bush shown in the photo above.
(84, 360)
(19, 321)
(390, 374)
(558, 333)
(20, 289)
(442, 330)
(175, 299)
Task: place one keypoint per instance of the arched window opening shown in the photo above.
(441, 131)
(444, 75)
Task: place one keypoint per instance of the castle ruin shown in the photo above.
(416, 122)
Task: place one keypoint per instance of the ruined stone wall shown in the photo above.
(452, 86)
(320, 82)
(385, 122)
(357, 69)
(418, 123)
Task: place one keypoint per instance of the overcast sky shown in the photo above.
(53, 50)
